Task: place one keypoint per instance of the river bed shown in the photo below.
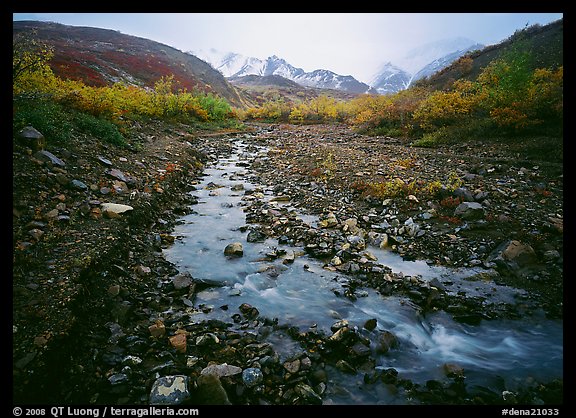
(498, 354)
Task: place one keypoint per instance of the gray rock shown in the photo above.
(464, 193)
(116, 208)
(104, 161)
(49, 157)
(117, 174)
(77, 184)
(31, 138)
(469, 210)
(182, 280)
(371, 324)
(169, 390)
(221, 370)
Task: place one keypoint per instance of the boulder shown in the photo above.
(234, 249)
(469, 211)
(31, 138)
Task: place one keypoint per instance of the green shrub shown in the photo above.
(98, 127)
(46, 116)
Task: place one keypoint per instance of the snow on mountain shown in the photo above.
(390, 79)
(420, 62)
(237, 65)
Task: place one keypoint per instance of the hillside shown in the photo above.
(101, 57)
(545, 44)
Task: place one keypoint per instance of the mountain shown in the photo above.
(391, 79)
(236, 65)
(443, 62)
(417, 58)
(544, 44)
(101, 57)
(419, 63)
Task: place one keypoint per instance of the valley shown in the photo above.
(323, 304)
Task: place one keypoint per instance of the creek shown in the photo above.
(496, 354)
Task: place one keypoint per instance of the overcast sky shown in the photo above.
(346, 43)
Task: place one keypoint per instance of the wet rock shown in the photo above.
(345, 367)
(370, 324)
(249, 311)
(255, 235)
(292, 366)
(207, 339)
(453, 370)
(385, 342)
(308, 395)
(234, 249)
(169, 390)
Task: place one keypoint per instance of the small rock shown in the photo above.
(178, 341)
(292, 366)
(157, 329)
(169, 390)
(104, 161)
(453, 370)
(370, 324)
(252, 376)
(182, 280)
(49, 157)
(77, 184)
(142, 270)
(117, 174)
(469, 210)
(111, 209)
(221, 370)
(386, 341)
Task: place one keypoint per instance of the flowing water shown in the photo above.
(496, 354)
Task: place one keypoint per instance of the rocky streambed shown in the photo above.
(264, 276)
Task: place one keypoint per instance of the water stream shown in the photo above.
(494, 354)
